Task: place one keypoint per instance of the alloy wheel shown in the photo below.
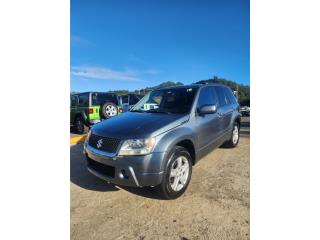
(179, 173)
(235, 134)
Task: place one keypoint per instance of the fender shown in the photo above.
(83, 115)
(168, 140)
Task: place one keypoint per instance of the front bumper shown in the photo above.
(137, 171)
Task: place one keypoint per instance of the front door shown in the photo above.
(207, 125)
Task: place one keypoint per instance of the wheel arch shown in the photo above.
(238, 120)
(80, 114)
(188, 144)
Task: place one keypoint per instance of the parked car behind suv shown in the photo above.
(91, 107)
(245, 111)
(158, 141)
(129, 100)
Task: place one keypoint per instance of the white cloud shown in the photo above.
(76, 40)
(110, 74)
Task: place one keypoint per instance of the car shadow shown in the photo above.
(245, 127)
(80, 176)
(147, 192)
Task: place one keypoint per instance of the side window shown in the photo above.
(132, 100)
(206, 97)
(222, 96)
(125, 99)
(231, 96)
(74, 101)
(84, 99)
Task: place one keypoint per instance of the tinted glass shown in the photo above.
(222, 96)
(102, 98)
(74, 100)
(125, 99)
(84, 99)
(206, 97)
(175, 100)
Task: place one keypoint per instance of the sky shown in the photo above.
(123, 44)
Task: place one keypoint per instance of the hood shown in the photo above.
(134, 125)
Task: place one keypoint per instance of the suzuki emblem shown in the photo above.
(99, 143)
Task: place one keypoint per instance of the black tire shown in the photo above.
(79, 125)
(231, 143)
(165, 189)
(106, 113)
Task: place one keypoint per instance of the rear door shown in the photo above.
(207, 125)
(225, 109)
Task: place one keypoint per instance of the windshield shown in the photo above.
(175, 100)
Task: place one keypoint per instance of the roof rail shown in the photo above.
(201, 82)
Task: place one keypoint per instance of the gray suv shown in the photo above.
(158, 141)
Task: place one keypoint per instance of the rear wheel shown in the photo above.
(109, 110)
(80, 126)
(233, 141)
(177, 174)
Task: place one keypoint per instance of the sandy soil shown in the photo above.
(215, 205)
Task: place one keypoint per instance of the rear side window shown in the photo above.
(222, 96)
(206, 97)
(74, 101)
(231, 96)
(84, 99)
(125, 99)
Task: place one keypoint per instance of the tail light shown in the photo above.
(120, 110)
(90, 110)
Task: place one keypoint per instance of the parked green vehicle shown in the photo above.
(89, 108)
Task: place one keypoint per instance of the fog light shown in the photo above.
(123, 174)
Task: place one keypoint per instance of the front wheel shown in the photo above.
(177, 174)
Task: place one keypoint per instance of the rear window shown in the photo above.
(102, 98)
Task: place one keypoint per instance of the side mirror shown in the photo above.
(207, 109)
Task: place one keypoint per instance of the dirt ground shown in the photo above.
(215, 205)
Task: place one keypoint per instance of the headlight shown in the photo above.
(137, 146)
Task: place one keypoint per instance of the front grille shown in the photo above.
(104, 143)
(101, 168)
